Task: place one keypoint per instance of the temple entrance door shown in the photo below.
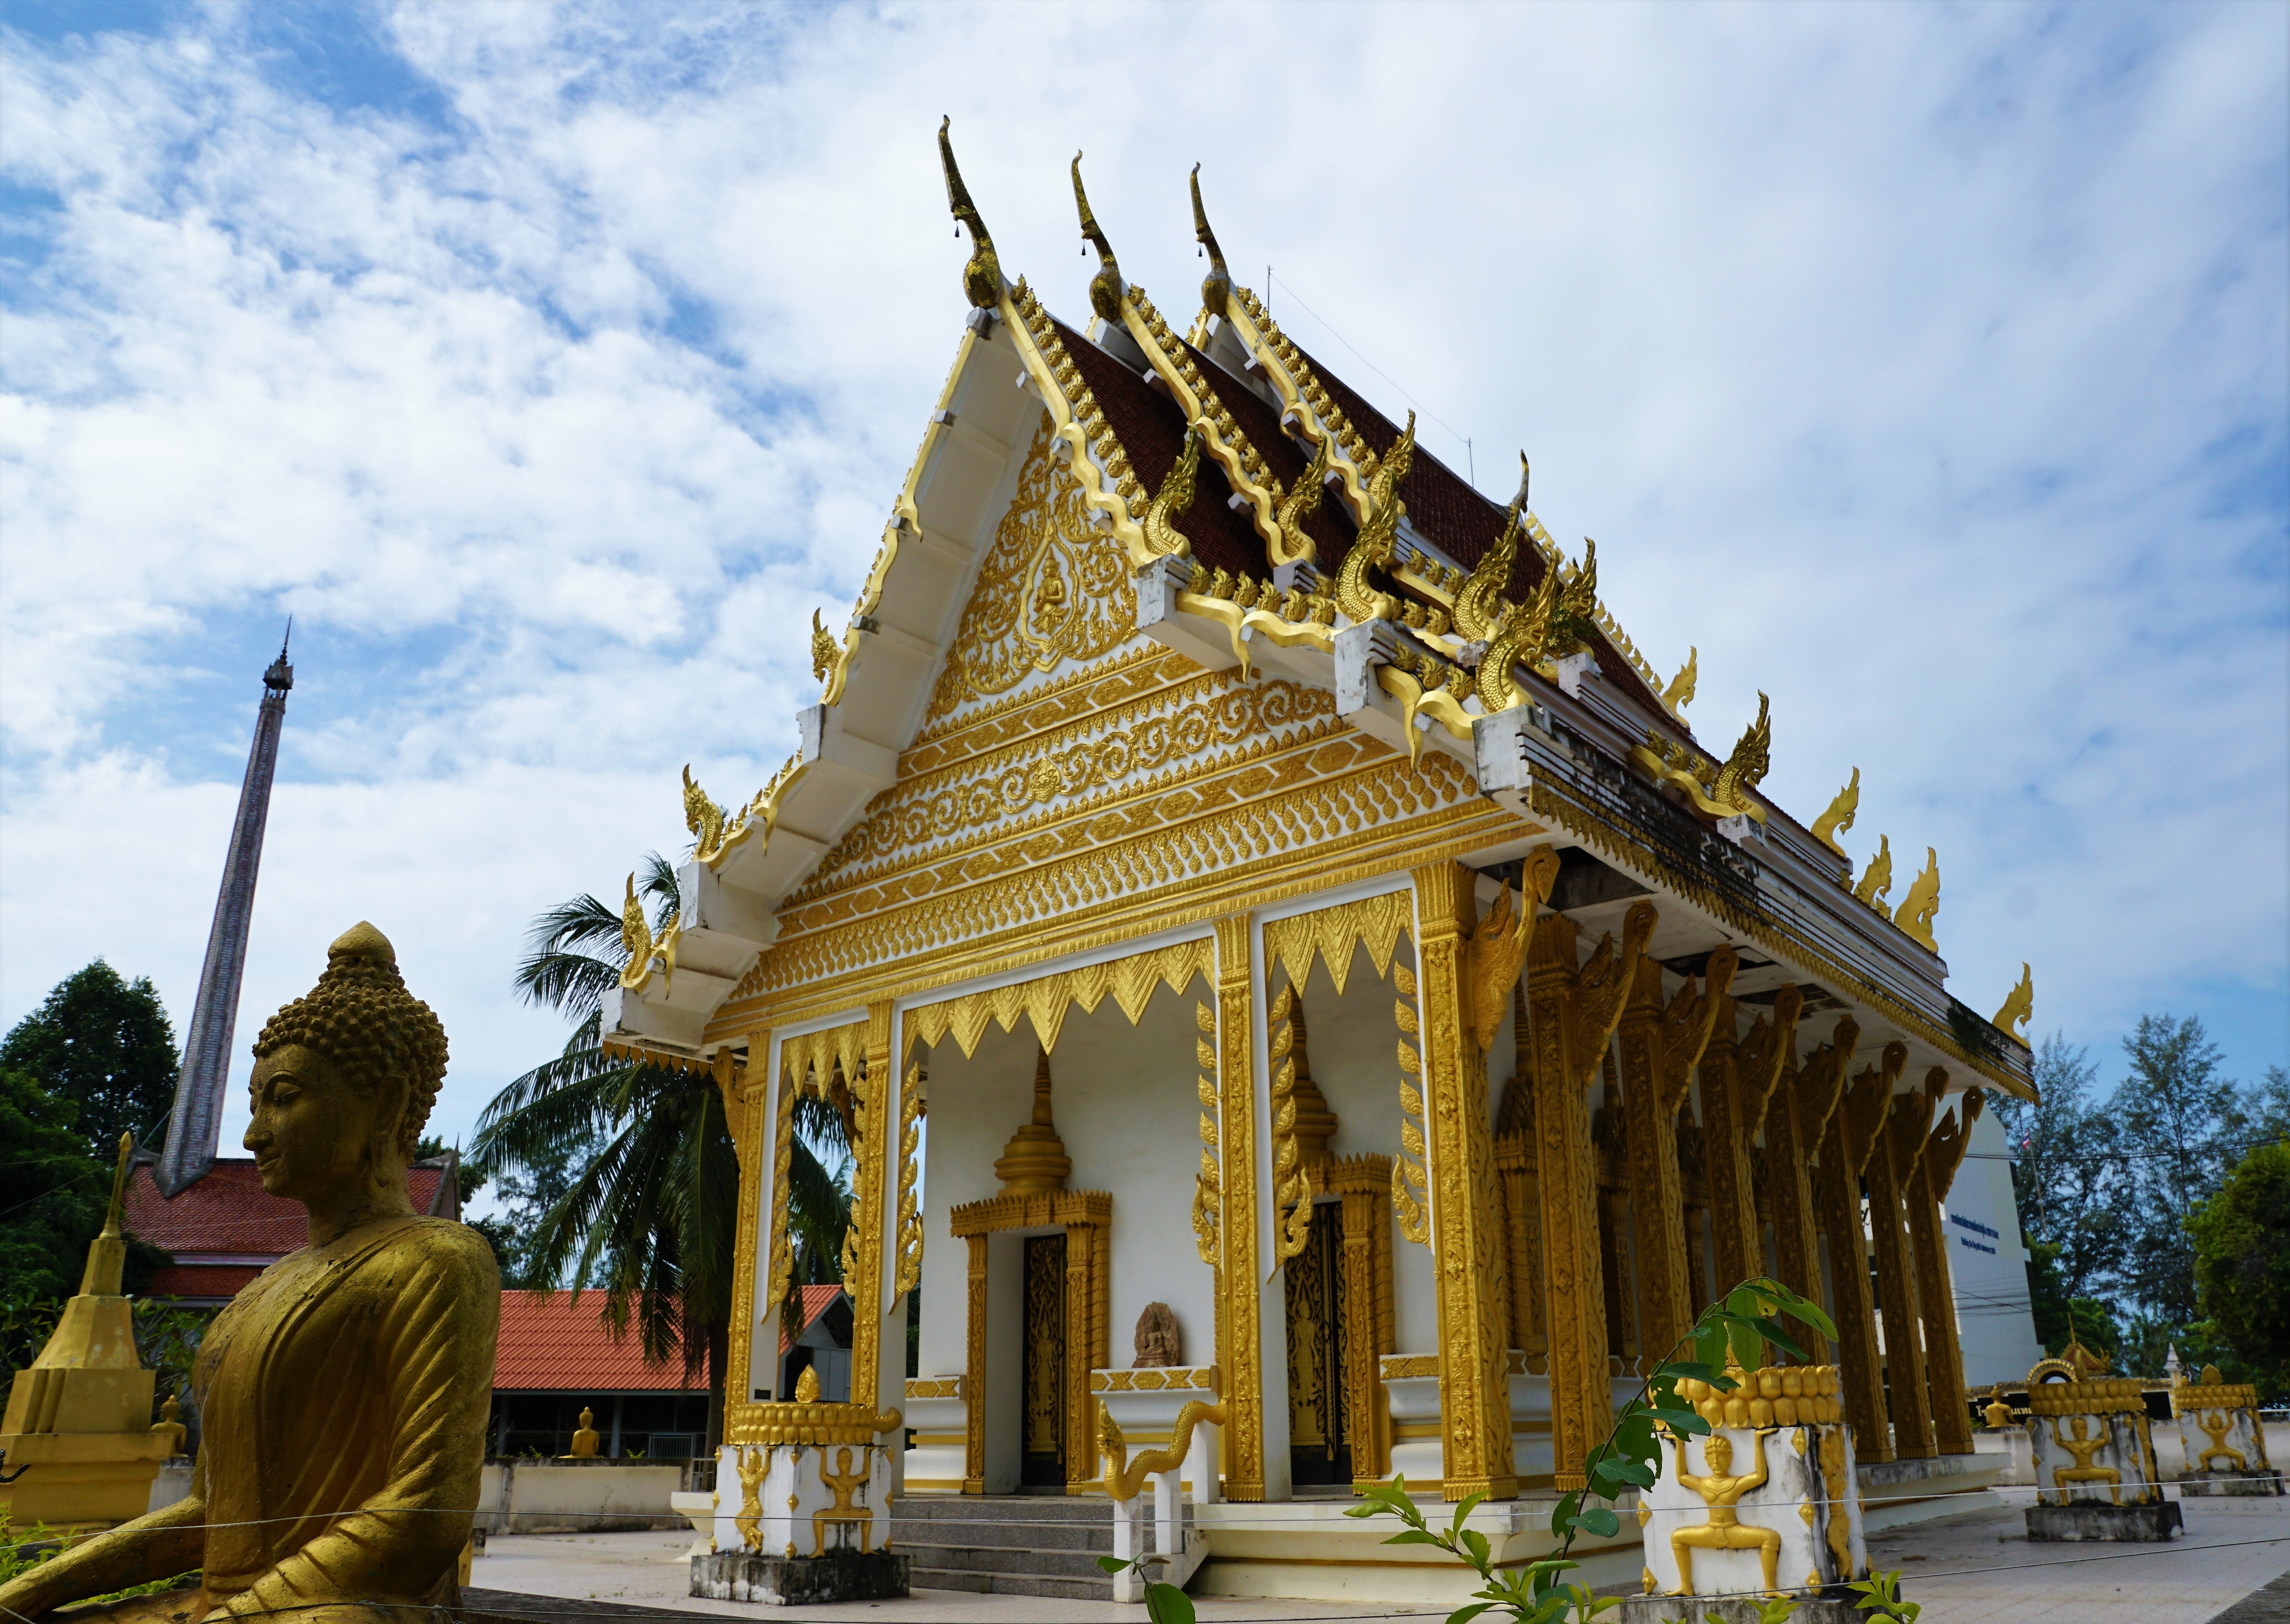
(1042, 1449)
(1319, 1446)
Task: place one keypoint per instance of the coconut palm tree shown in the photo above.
(651, 1216)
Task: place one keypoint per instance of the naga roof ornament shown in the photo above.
(1839, 816)
(1162, 536)
(982, 276)
(1679, 694)
(1480, 605)
(1105, 288)
(1379, 536)
(1921, 906)
(1216, 287)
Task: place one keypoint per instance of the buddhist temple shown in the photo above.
(1233, 868)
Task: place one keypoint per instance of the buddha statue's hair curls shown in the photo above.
(361, 1019)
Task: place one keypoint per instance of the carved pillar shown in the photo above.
(1901, 1143)
(1243, 1355)
(744, 1094)
(1660, 1046)
(1364, 1184)
(1610, 1143)
(875, 1126)
(1796, 1123)
(1515, 1172)
(1571, 1013)
(1853, 1133)
(1737, 1085)
(1935, 1174)
(973, 1382)
(1474, 1382)
(1087, 1305)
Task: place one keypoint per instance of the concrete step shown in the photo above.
(1097, 1589)
(1027, 1535)
(989, 1559)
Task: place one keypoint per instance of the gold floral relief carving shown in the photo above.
(1052, 587)
(1331, 932)
(1291, 1182)
(1408, 1180)
(1208, 1184)
(1045, 1000)
(1209, 830)
(1137, 669)
(1211, 717)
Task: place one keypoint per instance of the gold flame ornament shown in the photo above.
(1921, 906)
(2019, 1008)
(1839, 816)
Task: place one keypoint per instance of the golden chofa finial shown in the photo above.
(2020, 1006)
(1679, 694)
(982, 277)
(1105, 288)
(1216, 287)
(1839, 818)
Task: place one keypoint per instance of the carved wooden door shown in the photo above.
(1043, 1451)
(1319, 1450)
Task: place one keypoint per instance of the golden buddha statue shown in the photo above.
(1721, 1491)
(342, 1394)
(585, 1439)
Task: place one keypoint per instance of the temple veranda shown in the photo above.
(1282, 951)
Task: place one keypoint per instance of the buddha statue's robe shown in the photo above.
(342, 1399)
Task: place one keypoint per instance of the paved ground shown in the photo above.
(1979, 1568)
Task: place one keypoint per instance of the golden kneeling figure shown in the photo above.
(342, 1394)
(1721, 1491)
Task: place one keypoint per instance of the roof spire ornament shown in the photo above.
(1679, 694)
(981, 277)
(1839, 818)
(1105, 288)
(1216, 287)
(2018, 1009)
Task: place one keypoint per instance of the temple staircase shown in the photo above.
(1029, 1545)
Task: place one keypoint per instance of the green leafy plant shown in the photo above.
(1880, 1598)
(1739, 1325)
(1164, 1603)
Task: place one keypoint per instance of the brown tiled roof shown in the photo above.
(229, 1211)
(551, 1344)
(1330, 526)
(223, 1280)
(1463, 524)
(1151, 429)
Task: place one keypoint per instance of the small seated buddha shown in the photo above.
(342, 1394)
(585, 1440)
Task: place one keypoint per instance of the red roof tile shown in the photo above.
(229, 1211)
(223, 1280)
(815, 1302)
(551, 1344)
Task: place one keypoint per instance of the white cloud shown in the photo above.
(1925, 369)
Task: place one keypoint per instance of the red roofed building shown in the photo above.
(224, 1228)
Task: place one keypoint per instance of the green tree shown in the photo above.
(2183, 1127)
(2068, 1175)
(2241, 1240)
(104, 1044)
(651, 1213)
(56, 1196)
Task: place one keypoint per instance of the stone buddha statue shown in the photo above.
(343, 1394)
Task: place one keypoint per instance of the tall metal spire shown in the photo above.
(195, 1128)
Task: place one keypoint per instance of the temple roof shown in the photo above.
(1396, 566)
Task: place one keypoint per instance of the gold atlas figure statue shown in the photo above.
(1721, 1491)
(343, 1394)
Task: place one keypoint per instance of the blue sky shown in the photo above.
(1923, 368)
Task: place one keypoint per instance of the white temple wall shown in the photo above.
(1988, 1265)
(975, 1104)
(1354, 1045)
(1127, 1106)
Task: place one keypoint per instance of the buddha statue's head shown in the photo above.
(344, 1078)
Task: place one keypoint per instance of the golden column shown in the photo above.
(1243, 1357)
(1572, 1010)
(973, 1387)
(1795, 1126)
(1901, 1143)
(1474, 1379)
(1852, 1134)
(875, 1128)
(740, 1084)
(1935, 1174)
(1659, 1049)
(1737, 1086)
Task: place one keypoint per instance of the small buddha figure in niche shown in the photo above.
(585, 1440)
(343, 1396)
(1158, 1346)
(170, 1423)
